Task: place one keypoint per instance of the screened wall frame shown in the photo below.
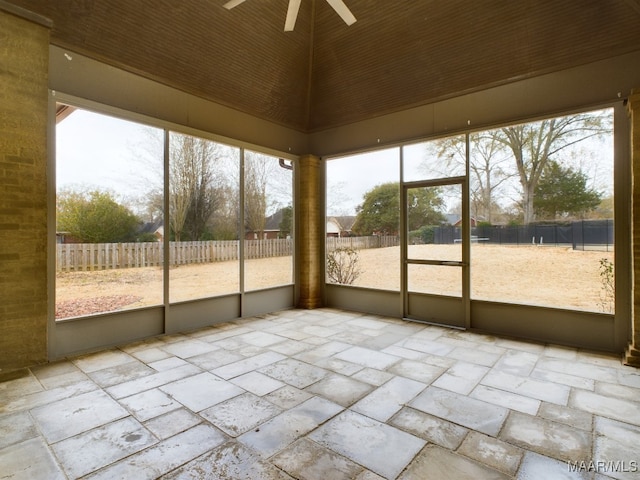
(111, 328)
(609, 332)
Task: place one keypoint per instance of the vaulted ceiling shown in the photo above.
(398, 54)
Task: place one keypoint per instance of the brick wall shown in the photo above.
(633, 352)
(310, 233)
(24, 51)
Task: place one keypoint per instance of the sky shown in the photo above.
(99, 151)
(94, 150)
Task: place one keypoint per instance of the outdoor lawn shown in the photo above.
(549, 276)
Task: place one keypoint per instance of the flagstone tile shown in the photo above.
(240, 414)
(149, 404)
(107, 377)
(310, 461)
(54, 369)
(372, 376)
(201, 391)
(616, 443)
(404, 352)
(155, 380)
(338, 366)
(381, 340)
(71, 416)
(566, 415)
(425, 345)
(247, 365)
(231, 460)
(436, 462)
(517, 362)
(616, 390)
(16, 428)
(578, 369)
(189, 348)
(629, 377)
(386, 400)
(312, 395)
(293, 372)
(288, 347)
(102, 446)
(528, 387)
(553, 439)
(261, 339)
(41, 398)
(418, 371)
(168, 363)
(340, 389)
(20, 387)
(319, 331)
(469, 412)
(368, 358)
(462, 377)
(476, 356)
(105, 359)
(377, 446)
(164, 456)
(287, 397)
(29, 460)
(535, 466)
(326, 350)
(492, 452)
(64, 380)
(151, 354)
(509, 400)
(433, 429)
(611, 407)
(215, 359)
(172, 423)
(257, 383)
(282, 430)
(563, 379)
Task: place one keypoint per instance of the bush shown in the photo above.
(608, 292)
(343, 265)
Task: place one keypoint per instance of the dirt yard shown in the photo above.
(550, 276)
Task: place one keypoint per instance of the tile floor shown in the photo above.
(324, 394)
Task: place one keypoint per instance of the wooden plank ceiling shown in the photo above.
(398, 54)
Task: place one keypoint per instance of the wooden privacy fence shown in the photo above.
(358, 243)
(106, 256)
(74, 257)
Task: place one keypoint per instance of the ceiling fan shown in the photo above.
(294, 6)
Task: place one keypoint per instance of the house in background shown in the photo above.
(272, 228)
(155, 229)
(340, 226)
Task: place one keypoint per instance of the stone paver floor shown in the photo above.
(324, 394)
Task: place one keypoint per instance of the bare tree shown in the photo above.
(487, 167)
(489, 171)
(256, 172)
(267, 189)
(534, 144)
(194, 189)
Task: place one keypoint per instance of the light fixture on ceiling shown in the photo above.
(294, 6)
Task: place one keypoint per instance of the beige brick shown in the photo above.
(23, 192)
(310, 257)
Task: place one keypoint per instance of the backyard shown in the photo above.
(550, 276)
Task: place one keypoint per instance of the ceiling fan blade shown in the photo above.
(292, 15)
(232, 3)
(342, 10)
